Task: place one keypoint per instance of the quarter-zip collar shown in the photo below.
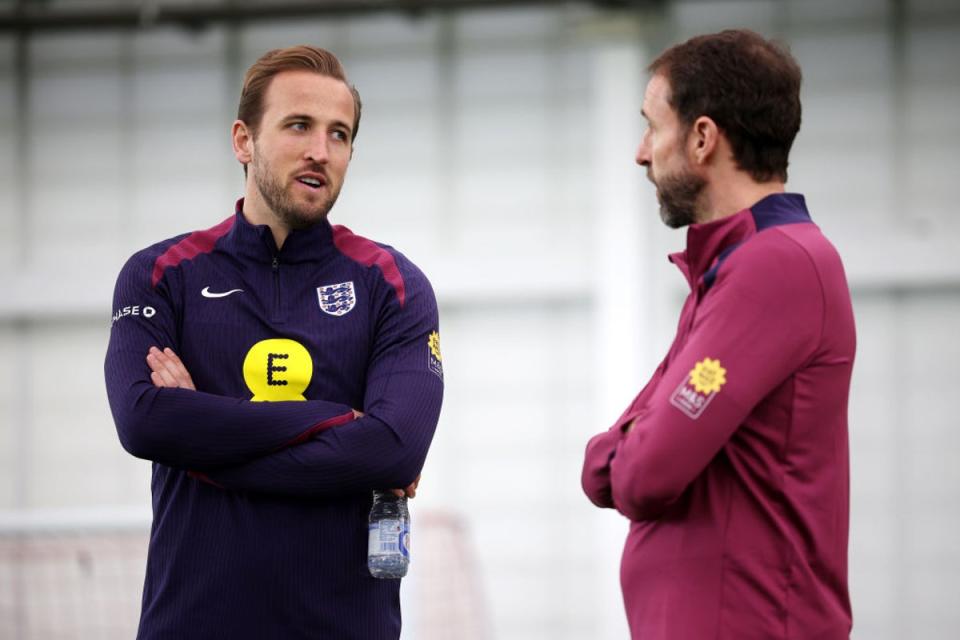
(256, 242)
(710, 242)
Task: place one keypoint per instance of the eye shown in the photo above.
(298, 126)
(340, 135)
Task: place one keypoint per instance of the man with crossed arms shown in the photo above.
(732, 463)
(276, 369)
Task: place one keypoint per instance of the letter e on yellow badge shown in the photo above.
(277, 369)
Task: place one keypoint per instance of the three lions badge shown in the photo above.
(337, 299)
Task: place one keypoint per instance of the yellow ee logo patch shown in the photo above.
(698, 389)
(708, 376)
(277, 369)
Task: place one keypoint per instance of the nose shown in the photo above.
(643, 153)
(317, 151)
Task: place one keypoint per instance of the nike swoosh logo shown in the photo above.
(206, 293)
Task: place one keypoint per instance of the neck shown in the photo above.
(730, 195)
(256, 211)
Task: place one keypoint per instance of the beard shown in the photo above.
(291, 213)
(679, 195)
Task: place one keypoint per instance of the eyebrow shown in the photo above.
(308, 118)
(297, 116)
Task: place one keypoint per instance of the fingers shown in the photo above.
(175, 360)
(410, 491)
(167, 370)
(157, 380)
(179, 371)
(159, 374)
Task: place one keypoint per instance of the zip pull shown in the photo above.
(275, 267)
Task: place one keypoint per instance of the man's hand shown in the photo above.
(167, 370)
(409, 492)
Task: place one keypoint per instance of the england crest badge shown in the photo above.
(337, 299)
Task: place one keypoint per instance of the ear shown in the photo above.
(703, 140)
(242, 142)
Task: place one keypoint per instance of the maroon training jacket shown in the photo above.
(736, 473)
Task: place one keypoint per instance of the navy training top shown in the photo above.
(262, 478)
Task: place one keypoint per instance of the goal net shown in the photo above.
(68, 575)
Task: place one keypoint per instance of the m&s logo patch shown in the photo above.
(699, 388)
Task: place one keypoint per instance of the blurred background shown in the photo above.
(496, 151)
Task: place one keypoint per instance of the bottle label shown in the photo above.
(405, 539)
(386, 537)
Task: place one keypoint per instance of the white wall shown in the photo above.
(495, 151)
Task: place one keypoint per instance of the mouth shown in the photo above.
(312, 180)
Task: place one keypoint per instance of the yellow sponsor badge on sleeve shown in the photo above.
(434, 358)
(700, 387)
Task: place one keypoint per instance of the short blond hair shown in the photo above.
(299, 58)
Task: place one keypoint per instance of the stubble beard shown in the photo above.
(679, 196)
(278, 199)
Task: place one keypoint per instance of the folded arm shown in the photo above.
(385, 446)
(180, 427)
(595, 476)
(751, 333)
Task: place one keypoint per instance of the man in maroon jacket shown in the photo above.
(732, 463)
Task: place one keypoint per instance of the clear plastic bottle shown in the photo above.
(388, 549)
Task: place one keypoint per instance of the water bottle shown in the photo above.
(388, 549)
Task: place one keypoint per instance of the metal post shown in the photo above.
(622, 322)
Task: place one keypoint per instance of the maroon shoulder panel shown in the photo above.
(369, 253)
(193, 245)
